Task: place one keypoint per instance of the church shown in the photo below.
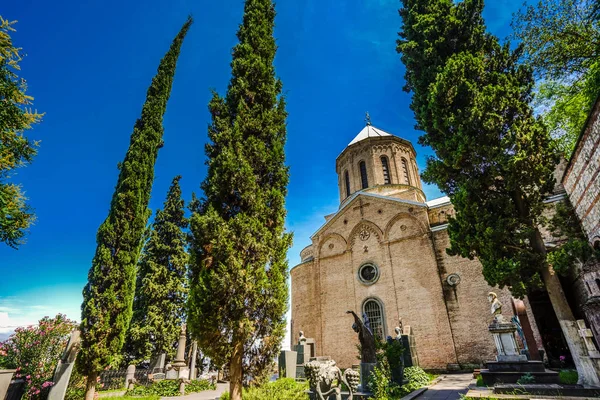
(383, 254)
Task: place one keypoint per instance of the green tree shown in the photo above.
(238, 291)
(108, 297)
(493, 158)
(16, 150)
(161, 288)
(561, 41)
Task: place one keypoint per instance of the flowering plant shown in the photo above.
(34, 351)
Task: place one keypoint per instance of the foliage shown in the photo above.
(161, 288)
(561, 41)
(494, 159)
(108, 296)
(380, 382)
(417, 378)
(281, 389)
(575, 249)
(526, 379)
(480, 380)
(238, 290)
(16, 150)
(35, 350)
(166, 388)
(568, 376)
(148, 397)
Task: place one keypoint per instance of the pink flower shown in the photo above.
(28, 377)
(562, 358)
(47, 384)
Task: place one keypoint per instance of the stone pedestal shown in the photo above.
(510, 365)
(504, 337)
(287, 364)
(180, 357)
(365, 372)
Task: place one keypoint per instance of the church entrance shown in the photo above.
(554, 342)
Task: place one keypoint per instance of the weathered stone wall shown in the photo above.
(582, 177)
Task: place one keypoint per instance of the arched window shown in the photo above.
(374, 312)
(386, 170)
(347, 183)
(363, 174)
(405, 171)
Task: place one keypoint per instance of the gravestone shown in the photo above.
(158, 363)
(171, 374)
(587, 335)
(410, 356)
(5, 378)
(287, 364)
(64, 369)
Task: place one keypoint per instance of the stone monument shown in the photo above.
(325, 379)
(368, 359)
(64, 369)
(510, 364)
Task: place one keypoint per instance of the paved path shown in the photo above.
(205, 395)
(449, 388)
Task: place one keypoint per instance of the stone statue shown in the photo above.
(496, 307)
(321, 377)
(398, 331)
(366, 338)
(302, 338)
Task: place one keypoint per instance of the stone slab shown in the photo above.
(5, 378)
(511, 358)
(549, 390)
(529, 366)
(491, 378)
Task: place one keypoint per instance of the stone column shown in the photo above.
(180, 357)
(193, 361)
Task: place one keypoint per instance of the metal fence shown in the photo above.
(141, 377)
(110, 380)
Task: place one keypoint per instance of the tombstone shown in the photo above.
(180, 357)
(410, 348)
(130, 377)
(64, 369)
(157, 364)
(587, 335)
(287, 364)
(171, 374)
(184, 373)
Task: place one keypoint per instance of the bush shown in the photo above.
(169, 387)
(417, 378)
(380, 383)
(526, 379)
(480, 380)
(34, 351)
(568, 377)
(281, 389)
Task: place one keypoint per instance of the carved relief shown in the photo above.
(364, 232)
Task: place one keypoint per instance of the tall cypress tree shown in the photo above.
(108, 297)
(238, 293)
(161, 288)
(494, 159)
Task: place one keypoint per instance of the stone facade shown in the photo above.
(389, 225)
(582, 177)
(581, 182)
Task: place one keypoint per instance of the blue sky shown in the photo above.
(88, 65)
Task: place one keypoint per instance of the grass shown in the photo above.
(568, 376)
(150, 397)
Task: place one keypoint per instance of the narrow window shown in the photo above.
(386, 170)
(347, 182)
(363, 174)
(405, 171)
(374, 312)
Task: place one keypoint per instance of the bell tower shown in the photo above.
(378, 162)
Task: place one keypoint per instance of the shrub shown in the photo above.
(568, 377)
(165, 388)
(34, 351)
(380, 382)
(281, 389)
(417, 378)
(480, 380)
(76, 387)
(526, 379)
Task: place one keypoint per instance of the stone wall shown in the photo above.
(582, 177)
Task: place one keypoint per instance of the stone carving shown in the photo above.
(321, 377)
(496, 310)
(366, 338)
(364, 234)
(301, 338)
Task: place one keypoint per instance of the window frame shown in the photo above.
(364, 176)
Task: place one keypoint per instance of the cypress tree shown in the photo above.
(238, 292)
(494, 159)
(161, 288)
(108, 297)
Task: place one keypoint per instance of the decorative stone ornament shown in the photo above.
(453, 279)
(322, 375)
(364, 234)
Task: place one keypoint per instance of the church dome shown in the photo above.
(378, 162)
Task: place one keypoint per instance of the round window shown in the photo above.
(368, 273)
